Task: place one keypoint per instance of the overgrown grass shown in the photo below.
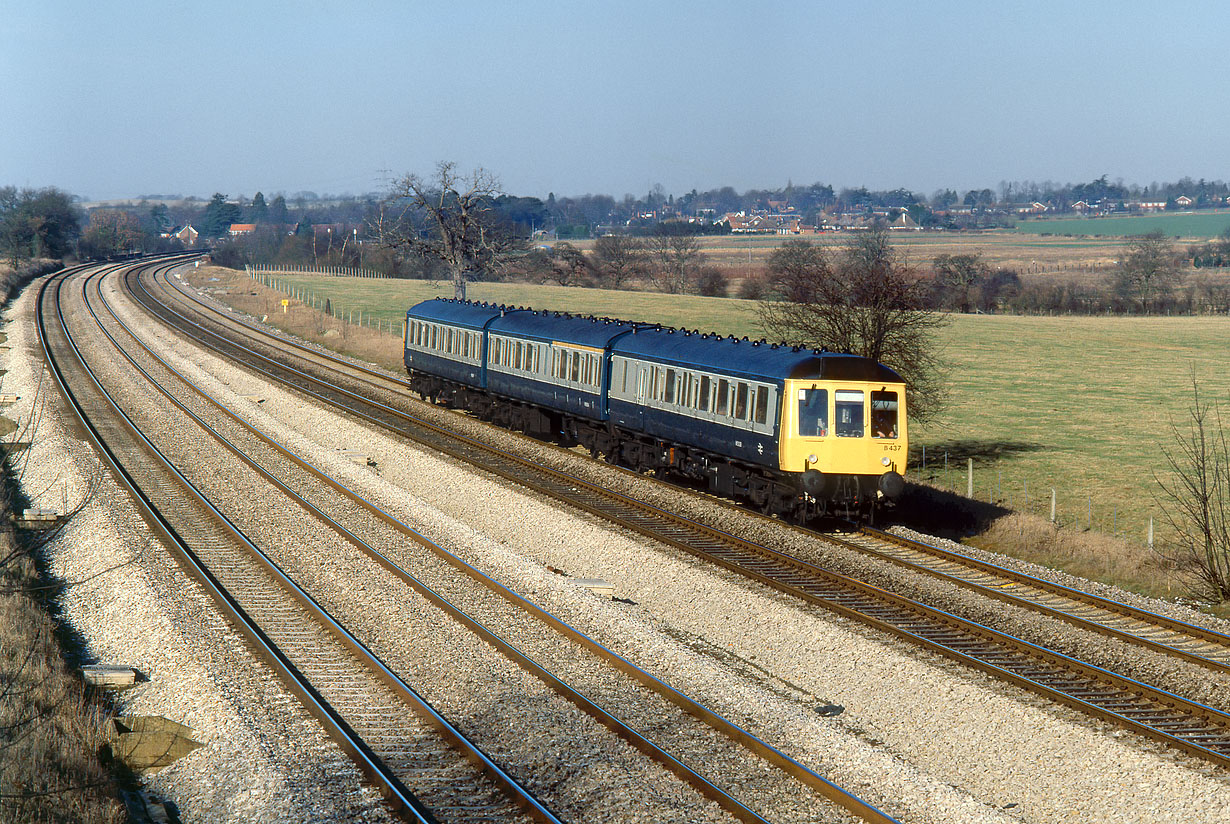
(1081, 405)
(51, 728)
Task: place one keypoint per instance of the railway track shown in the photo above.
(1186, 725)
(424, 766)
(737, 736)
(1160, 633)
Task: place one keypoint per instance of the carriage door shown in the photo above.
(642, 390)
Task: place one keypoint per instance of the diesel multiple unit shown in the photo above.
(792, 431)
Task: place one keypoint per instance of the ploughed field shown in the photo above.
(1083, 405)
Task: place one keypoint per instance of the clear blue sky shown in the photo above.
(111, 99)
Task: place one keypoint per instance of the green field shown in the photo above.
(1184, 225)
(1080, 404)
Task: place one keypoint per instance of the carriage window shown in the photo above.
(706, 389)
(668, 393)
(849, 410)
(883, 414)
(575, 368)
(813, 413)
(687, 391)
(741, 402)
(762, 404)
(722, 402)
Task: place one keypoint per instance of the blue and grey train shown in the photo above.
(791, 431)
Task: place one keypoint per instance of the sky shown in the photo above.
(110, 99)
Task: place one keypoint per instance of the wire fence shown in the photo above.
(355, 316)
(295, 269)
(1061, 506)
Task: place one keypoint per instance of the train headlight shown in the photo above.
(886, 461)
(812, 459)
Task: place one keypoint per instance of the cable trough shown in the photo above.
(1187, 725)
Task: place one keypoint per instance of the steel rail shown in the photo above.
(1197, 644)
(1107, 695)
(632, 736)
(795, 769)
(399, 796)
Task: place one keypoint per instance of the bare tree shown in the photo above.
(619, 258)
(863, 300)
(449, 217)
(956, 277)
(1196, 502)
(1149, 272)
(677, 259)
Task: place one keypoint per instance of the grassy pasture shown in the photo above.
(1188, 225)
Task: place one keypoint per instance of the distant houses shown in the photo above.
(185, 235)
(763, 223)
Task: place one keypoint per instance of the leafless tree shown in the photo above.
(619, 259)
(448, 217)
(569, 266)
(1196, 502)
(1149, 272)
(677, 259)
(864, 300)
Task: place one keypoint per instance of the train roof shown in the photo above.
(560, 327)
(751, 359)
(457, 312)
(678, 347)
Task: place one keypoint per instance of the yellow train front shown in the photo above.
(845, 439)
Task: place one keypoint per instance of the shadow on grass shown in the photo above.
(940, 512)
(959, 452)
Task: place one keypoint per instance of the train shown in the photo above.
(790, 431)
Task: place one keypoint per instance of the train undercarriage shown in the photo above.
(769, 492)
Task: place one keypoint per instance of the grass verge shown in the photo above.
(51, 724)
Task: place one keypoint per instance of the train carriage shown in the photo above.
(445, 346)
(793, 431)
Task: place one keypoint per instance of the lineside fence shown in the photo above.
(1064, 508)
(343, 314)
(328, 271)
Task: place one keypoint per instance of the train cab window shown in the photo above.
(741, 402)
(762, 404)
(706, 389)
(849, 411)
(813, 413)
(884, 414)
(722, 402)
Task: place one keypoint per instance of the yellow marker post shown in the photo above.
(285, 303)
